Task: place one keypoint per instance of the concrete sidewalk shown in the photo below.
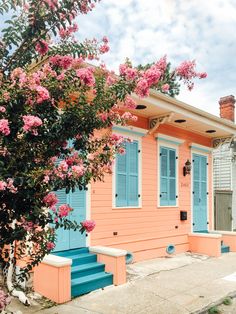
(182, 284)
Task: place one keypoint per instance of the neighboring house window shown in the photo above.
(127, 176)
(167, 176)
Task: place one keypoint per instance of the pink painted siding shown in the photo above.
(146, 231)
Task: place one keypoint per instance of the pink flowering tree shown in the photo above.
(50, 96)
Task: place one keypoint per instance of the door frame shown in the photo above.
(88, 211)
(204, 154)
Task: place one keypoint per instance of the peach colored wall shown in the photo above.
(148, 230)
(53, 282)
(210, 246)
(115, 265)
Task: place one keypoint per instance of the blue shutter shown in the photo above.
(78, 203)
(167, 176)
(121, 180)
(164, 177)
(172, 177)
(132, 187)
(62, 235)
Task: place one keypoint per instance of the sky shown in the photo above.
(145, 30)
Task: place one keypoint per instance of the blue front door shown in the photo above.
(70, 239)
(199, 193)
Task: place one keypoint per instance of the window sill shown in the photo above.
(168, 206)
(128, 207)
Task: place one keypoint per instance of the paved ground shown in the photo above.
(179, 285)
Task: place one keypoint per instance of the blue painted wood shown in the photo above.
(225, 249)
(121, 179)
(86, 273)
(132, 186)
(78, 203)
(89, 283)
(70, 239)
(86, 269)
(83, 259)
(62, 236)
(127, 176)
(199, 193)
(167, 176)
(69, 253)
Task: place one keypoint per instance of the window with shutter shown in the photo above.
(167, 176)
(127, 189)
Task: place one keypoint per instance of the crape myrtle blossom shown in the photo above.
(41, 47)
(186, 71)
(50, 199)
(63, 210)
(8, 185)
(87, 226)
(4, 127)
(31, 123)
(86, 76)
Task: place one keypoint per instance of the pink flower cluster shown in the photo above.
(77, 171)
(63, 210)
(86, 76)
(50, 245)
(4, 300)
(128, 72)
(88, 225)
(129, 116)
(64, 62)
(129, 103)
(186, 71)
(9, 184)
(165, 88)
(51, 3)
(64, 33)
(4, 127)
(43, 94)
(31, 123)
(50, 199)
(41, 47)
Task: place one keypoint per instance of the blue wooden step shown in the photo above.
(86, 269)
(68, 253)
(89, 283)
(83, 258)
(225, 248)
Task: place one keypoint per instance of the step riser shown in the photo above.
(225, 250)
(72, 252)
(84, 260)
(90, 286)
(79, 274)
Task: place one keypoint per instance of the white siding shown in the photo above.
(222, 168)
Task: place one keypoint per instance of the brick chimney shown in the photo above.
(227, 107)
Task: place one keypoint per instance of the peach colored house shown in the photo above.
(157, 202)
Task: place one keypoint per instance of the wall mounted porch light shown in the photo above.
(187, 168)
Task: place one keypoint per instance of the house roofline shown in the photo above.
(192, 109)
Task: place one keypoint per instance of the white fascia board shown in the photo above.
(168, 106)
